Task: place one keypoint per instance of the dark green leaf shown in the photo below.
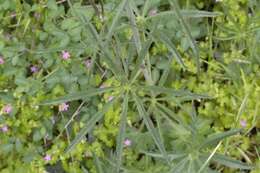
(89, 125)
(78, 95)
(227, 161)
(121, 135)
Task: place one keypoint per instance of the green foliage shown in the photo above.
(129, 86)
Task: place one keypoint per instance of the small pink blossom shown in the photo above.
(34, 69)
(63, 107)
(37, 15)
(7, 109)
(65, 55)
(102, 86)
(243, 123)
(13, 14)
(152, 12)
(47, 157)
(5, 128)
(2, 61)
(127, 142)
(88, 63)
(110, 98)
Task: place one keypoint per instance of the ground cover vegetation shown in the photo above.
(129, 86)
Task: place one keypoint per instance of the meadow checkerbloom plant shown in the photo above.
(2, 61)
(243, 123)
(127, 142)
(88, 63)
(65, 55)
(34, 69)
(63, 107)
(7, 109)
(47, 158)
(4, 128)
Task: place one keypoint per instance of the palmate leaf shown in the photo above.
(136, 35)
(181, 166)
(229, 162)
(121, 135)
(185, 13)
(186, 31)
(89, 125)
(242, 107)
(78, 95)
(143, 53)
(148, 4)
(174, 93)
(166, 72)
(199, 13)
(111, 163)
(115, 20)
(163, 38)
(171, 156)
(98, 164)
(84, 170)
(173, 119)
(108, 59)
(211, 140)
(204, 165)
(150, 126)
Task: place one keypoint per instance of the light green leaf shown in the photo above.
(211, 140)
(107, 57)
(149, 124)
(136, 35)
(51, 4)
(227, 161)
(181, 166)
(199, 13)
(143, 53)
(187, 31)
(203, 166)
(121, 135)
(185, 13)
(98, 164)
(171, 156)
(79, 95)
(89, 125)
(171, 48)
(173, 92)
(115, 20)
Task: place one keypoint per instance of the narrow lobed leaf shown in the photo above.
(89, 125)
(211, 140)
(79, 95)
(150, 126)
(121, 135)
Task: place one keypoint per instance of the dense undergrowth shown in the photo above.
(134, 86)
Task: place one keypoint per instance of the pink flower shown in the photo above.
(34, 69)
(7, 109)
(127, 142)
(63, 107)
(4, 128)
(102, 86)
(88, 63)
(13, 14)
(243, 123)
(65, 55)
(2, 61)
(37, 15)
(47, 157)
(110, 98)
(152, 12)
